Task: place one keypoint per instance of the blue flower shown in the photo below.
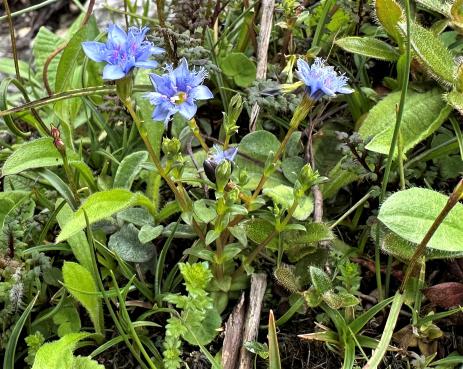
(219, 155)
(177, 92)
(321, 79)
(123, 51)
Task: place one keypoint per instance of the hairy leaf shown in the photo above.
(80, 283)
(369, 46)
(102, 205)
(410, 214)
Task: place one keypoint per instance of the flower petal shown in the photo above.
(94, 50)
(113, 72)
(187, 109)
(157, 50)
(116, 35)
(201, 92)
(148, 64)
(162, 113)
(162, 84)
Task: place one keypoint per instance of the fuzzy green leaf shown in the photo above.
(321, 281)
(40, 153)
(127, 245)
(432, 51)
(102, 205)
(411, 213)
(423, 114)
(58, 354)
(455, 99)
(45, 43)
(389, 14)
(369, 46)
(80, 283)
(129, 168)
(284, 196)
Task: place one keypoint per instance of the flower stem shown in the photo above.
(144, 136)
(392, 149)
(195, 129)
(299, 115)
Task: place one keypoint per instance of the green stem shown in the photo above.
(352, 209)
(299, 115)
(195, 129)
(13, 40)
(143, 134)
(392, 149)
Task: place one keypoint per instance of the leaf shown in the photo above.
(40, 153)
(99, 206)
(423, 114)
(78, 242)
(8, 201)
(403, 250)
(321, 281)
(205, 330)
(438, 6)
(127, 245)
(446, 294)
(284, 196)
(432, 51)
(240, 68)
(338, 178)
(204, 210)
(58, 354)
(45, 43)
(12, 342)
(85, 362)
(410, 214)
(389, 14)
(291, 167)
(369, 46)
(274, 361)
(129, 168)
(80, 283)
(154, 129)
(68, 320)
(149, 233)
(455, 99)
(258, 230)
(73, 55)
(255, 148)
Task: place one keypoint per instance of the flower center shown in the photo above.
(179, 98)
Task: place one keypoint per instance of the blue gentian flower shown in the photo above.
(123, 51)
(321, 79)
(177, 92)
(219, 155)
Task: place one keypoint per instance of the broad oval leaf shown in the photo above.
(127, 245)
(80, 283)
(423, 114)
(102, 205)
(284, 196)
(369, 46)
(254, 150)
(411, 213)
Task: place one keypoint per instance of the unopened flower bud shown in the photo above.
(171, 146)
(308, 177)
(222, 174)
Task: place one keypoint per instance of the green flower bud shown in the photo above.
(222, 174)
(308, 177)
(233, 196)
(243, 177)
(171, 146)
